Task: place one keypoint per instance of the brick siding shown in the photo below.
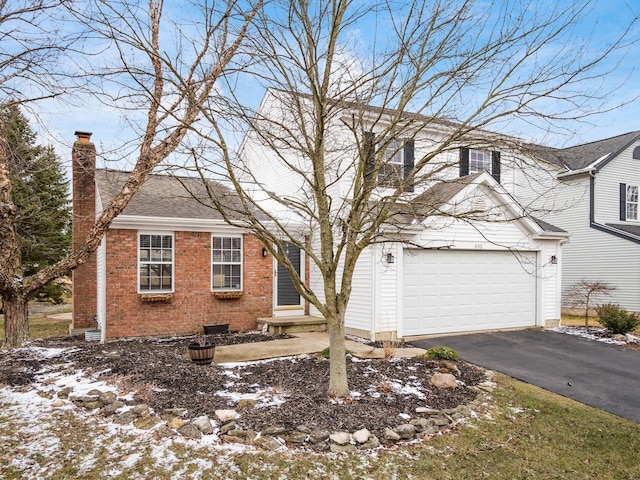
(193, 304)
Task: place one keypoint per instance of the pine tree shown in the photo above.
(40, 192)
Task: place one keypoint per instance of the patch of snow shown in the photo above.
(404, 416)
(585, 333)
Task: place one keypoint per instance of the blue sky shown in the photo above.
(604, 22)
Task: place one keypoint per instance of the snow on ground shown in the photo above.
(594, 333)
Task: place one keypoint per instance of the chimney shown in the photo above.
(83, 158)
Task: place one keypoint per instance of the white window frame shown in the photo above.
(160, 262)
(632, 203)
(474, 161)
(231, 262)
(392, 164)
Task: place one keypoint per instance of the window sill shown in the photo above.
(227, 295)
(156, 297)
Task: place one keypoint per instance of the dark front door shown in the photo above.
(286, 294)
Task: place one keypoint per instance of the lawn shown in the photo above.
(578, 320)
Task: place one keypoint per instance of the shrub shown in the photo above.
(617, 320)
(442, 353)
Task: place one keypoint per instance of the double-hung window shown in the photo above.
(474, 161)
(479, 160)
(226, 259)
(391, 171)
(395, 165)
(155, 262)
(632, 202)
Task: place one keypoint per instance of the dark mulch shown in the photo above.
(164, 377)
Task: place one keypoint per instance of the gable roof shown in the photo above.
(167, 196)
(593, 154)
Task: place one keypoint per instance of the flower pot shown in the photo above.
(201, 354)
(213, 329)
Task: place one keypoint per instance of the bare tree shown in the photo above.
(160, 68)
(461, 68)
(586, 294)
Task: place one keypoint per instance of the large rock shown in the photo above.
(112, 408)
(204, 425)
(391, 436)
(124, 418)
(147, 423)
(421, 424)
(268, 443)
(226, 415)
(337, 448)
(372, 442)
(190, 431)
(361, 436)
(341, 438)
(141, 410)
(406, 431)
(274, 431)
(443, 380)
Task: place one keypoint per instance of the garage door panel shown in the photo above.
(455, 291)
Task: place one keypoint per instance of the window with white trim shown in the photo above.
(479, 160)
(226, 260)
(155, 263)
(632, 202)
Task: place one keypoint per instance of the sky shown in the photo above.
(605, 20)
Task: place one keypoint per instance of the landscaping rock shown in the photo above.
(318, 436)
(341, 438)
(427, 410)
(163, 432)
(226, 415)
(337, 448)
(141, 410)
(169, 413)
(64, 393)
(204, 425)
(361, 436)
(274, 431)
(190, 431)
(268, 443)
(487, 386)
(112, 408)
(176, 423)
(124, 418)
(58, 403)
(297, 438)
(443, 380)
(95, 393)
(405, 431)
(147, 423)
(107, 398)
(391, 436)
(420, 424)
(449, 367)
(372, 442)
(440, 421)
(227, 427)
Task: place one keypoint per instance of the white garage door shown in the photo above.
(458, 291)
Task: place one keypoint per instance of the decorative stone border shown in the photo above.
(172, 422)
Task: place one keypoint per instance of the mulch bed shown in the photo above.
(161, 373)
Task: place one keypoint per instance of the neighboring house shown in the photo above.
(168, 264)
(598, 204)
(440, 274)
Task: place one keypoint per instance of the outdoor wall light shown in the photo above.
(265, 252)
(390, 258)
(554, 260)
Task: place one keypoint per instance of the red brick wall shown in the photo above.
(84, 213)
(193, 304)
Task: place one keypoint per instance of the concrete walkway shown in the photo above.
(304, 343)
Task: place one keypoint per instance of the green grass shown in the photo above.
(41, 327)
(530, 433)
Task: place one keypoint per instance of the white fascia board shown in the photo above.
(135, 222)
(563, 236)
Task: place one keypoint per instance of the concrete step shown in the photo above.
(289, 325)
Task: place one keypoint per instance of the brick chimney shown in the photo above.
(83, 158)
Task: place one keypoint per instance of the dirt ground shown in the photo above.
(292, 391)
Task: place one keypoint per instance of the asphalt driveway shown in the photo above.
(597, 374)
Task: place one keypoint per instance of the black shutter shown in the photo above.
(623, 201)
(464, 162)
(495, 166)
(408, 163)
(370, 157)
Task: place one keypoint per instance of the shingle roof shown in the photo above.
(547, 227)
(581, 156)
(631, 229)
(166, 196)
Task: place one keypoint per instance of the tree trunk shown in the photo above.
(16, 321)
(338, 386)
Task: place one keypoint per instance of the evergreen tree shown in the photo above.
(40, 192)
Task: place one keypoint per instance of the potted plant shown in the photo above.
(201, 351)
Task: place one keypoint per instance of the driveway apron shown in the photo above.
(594, 373)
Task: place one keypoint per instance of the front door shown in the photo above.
(288, 300)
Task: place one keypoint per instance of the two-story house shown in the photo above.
(597, 202)
(467, 257)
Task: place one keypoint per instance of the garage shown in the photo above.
(447, 291)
